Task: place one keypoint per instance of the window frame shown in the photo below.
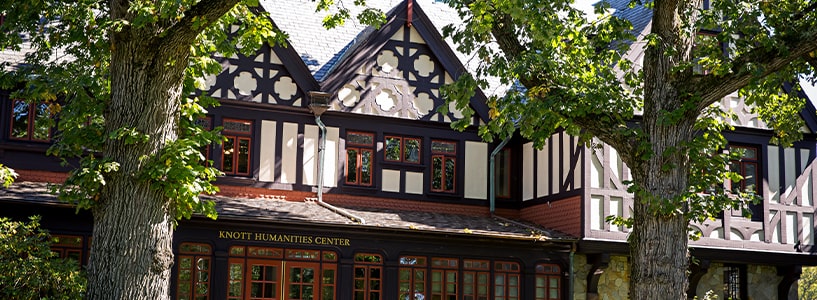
(360, 148)
(444, 156)
(368, 267)
(195, 279)
(742, 163)
(734, 290)
(546, 273)
(402, 149)
(506, 161)
(237, 137)
(31, 119)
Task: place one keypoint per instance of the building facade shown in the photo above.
(380, 199)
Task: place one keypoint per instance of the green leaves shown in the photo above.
(28, 267)
(7, 175)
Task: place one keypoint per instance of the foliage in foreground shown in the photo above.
(28, 268)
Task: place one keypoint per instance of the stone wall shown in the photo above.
(613, 283)
(761, 282)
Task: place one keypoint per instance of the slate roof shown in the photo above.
(322, 49)
(278, 210)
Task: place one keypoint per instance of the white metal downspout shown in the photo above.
(321, 154)
(492, 173)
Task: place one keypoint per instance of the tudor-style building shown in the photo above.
(379, 199)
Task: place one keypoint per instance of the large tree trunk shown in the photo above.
(131, 254)
(658, 243)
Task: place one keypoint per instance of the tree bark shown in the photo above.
(131, 254)
(659, 240)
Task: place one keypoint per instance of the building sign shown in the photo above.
(283, 238)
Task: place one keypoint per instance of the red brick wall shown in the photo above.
(337, 199)
(357, 200)
(40, 176)
(563, 215)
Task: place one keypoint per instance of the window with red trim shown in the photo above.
(507, 281)
(402, 149)
(443, 166)
(547, 282)
(235, 153)
(747, 167)
(368, 277)
(67, 247)
(475, 279)
(444, 278)
(31, 121)
(359, 158)
(194, 271)
(412, 284)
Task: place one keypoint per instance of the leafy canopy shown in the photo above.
(584, 75)
(67, 48)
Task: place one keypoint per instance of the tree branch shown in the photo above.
(767, 61)
(204, 13)
(505, 34)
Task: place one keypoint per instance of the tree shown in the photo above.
(119, 74)
(807, 285)
(28, 268)
(575, 76)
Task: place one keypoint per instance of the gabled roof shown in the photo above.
(370, 44)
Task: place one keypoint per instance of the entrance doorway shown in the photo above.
(291, 274)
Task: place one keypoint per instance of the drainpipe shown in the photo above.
(492, 173)
(318, 105)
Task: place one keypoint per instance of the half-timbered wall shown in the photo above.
(402, 80)
(553, 170)
(788, 206)
(260, 78)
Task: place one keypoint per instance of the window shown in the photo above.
(733, 277)
(235, 154)
(359, 155)
(444, 278)
(194, 271)
(275, 273)
(30, 121)
(547, 282)
(506, 281)
(475, 282)
(67, 246)
(402, 149)
(412, 282)
(747, 167)
(502, 171)
(368, 276)
(207, 124)
(443, 166)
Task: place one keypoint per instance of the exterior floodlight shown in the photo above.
(318, 102)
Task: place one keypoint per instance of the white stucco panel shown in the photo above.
(266, 171)
(476, 170)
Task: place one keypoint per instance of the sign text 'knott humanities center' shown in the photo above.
(283, 238)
